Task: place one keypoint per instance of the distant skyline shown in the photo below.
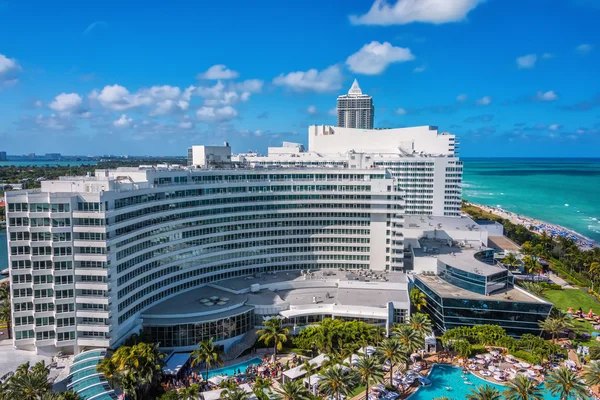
(509, 77)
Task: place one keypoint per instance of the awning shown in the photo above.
(175, 363)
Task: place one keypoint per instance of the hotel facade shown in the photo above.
(215, 248)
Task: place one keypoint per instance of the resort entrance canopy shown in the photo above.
(175, 362)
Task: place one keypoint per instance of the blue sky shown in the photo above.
(510, 77)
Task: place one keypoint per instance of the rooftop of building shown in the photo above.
(203, 300)
(440, 223)
(447, 290)
(462, 258)
(283, 290)
(241, 283)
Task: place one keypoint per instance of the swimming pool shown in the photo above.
(233, 369)
(443, 376)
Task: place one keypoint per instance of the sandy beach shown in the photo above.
(539, 226)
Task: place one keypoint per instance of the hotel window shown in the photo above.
(62, 336)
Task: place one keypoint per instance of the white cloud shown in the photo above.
(547, 56)
(9, 67)
(584, 48)
(527, 61)
(164, 99)
(213, 114)
(312, 110)
(332, 112)
(118, 98)
(186, 125)
(53, 122)
(401, 111)
(38, 103)
(408, 11)
(419, 69)
(93, 25)
(250, 85)
(328, 80)
(168, 107)
(375, 57)
(218, 71)
(546, 96)
(461, 98)
(123, 122)
(66, 103)
(484, 101)
(554, 127)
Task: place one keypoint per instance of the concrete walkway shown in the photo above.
(560, 281)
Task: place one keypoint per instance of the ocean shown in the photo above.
(560, 191)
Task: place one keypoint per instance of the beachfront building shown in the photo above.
(423, 161)
(455, 269)
(355, 109)
(188, 253)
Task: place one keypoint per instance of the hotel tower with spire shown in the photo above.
(355, 109)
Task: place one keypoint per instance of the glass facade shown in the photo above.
(181, 335)
(517, 318)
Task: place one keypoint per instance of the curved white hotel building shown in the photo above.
(214, 248)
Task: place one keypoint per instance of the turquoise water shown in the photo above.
(443, 376)
(232, 369)
(559, 191)
(44, 163)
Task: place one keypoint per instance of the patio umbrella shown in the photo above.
(538, 367)
(525, 365)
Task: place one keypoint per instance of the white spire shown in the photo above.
(355, 89)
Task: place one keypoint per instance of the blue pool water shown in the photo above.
(443, 376)
(232, 369)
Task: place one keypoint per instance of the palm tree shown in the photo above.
(336, 381)
(391, 350)
(4, 291)
(421, 323)
(234, 394)
(523, 388)
(28, 386)
(510, 259)
(533, 288)
(206, 353)
(309, 369)
(418, 298)
(273, 333)
(409, 338)
(259, 388)
(292, 390)
(191, 392)
(484, 392)
(5, 316)
(564, 383)
(369, 370)
(554, 326)
(591, 375)
(531, 264)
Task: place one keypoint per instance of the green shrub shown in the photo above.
(595, 352)
(526, 356)
(550, 286)
(477, 349)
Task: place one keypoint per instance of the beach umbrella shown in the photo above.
(538, 367)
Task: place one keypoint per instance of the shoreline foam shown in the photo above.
(582, 241)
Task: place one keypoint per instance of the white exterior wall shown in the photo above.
(202, 155)
(329, 139)
(150, 234)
